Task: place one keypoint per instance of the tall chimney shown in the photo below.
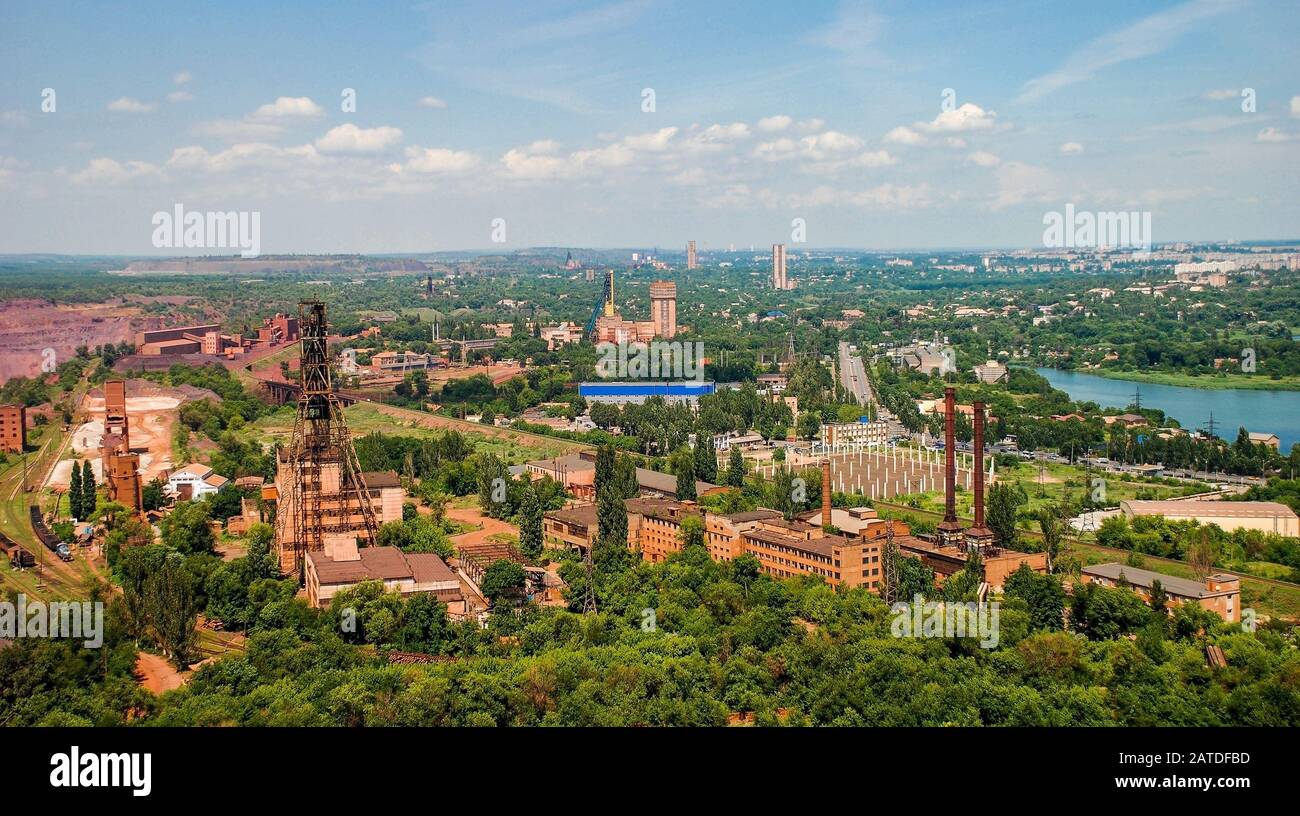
(826, 492)
(950, 530)
(979, 464)
(949, 454)
(979, 536)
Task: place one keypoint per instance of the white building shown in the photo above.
(194, 481)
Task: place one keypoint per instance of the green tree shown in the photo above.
(186, 528)
(88, 497)
(74, 493)
(692, 532)
(1042, 593)
(735, 468)
(493, 486)
(502, 577)
(682, 464)
(706, 459)
(1004, 501)
(530, 524)
(809, 425)
(172, 607)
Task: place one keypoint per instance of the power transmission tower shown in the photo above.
(589, 597)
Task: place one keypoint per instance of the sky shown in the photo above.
(645, 123)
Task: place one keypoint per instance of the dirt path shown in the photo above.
(157, 674)
(488, 526)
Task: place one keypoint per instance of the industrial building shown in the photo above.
(1220, 593)
(121, 467)
(863, 431)
(1268, 517)
(194, 481)
(577, 472)
(607, 325)
(622, 393)
(208, 339)
(13, 428)
(342, 565)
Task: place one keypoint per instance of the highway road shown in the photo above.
(853, 375)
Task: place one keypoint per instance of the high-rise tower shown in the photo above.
(778, 266)
(663, 308)
(691, 261)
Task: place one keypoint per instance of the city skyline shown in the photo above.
(531, 125)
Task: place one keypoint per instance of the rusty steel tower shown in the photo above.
(321, 491)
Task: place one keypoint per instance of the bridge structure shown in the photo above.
(283, 393)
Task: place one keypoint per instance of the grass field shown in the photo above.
(1058, 480)
(513, 447)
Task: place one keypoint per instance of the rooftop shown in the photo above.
(1223, 509)
(1183, 587)
(380, 564)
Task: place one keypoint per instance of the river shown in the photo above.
(1264, 411)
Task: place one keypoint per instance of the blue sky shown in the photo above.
(833, 112)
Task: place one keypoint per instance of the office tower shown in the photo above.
(691, 262)
(778, 266)
(663, 307)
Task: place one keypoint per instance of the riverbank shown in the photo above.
(1218, 382)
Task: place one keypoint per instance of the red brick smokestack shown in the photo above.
(949, 454)
(979, 465)
(826, 492)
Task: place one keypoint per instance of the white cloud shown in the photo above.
(289, 107)
(13, 118)
(655, 141)
(349, 138)
(521, 164)
(968, 116)
(182, 77)
(111, 171)
(431, 102)
(1295, 107)
(1221, 94)
(873, 158)
(237, 130)
(128, 105)
(774, 124)
(1272, 134)
(1071, 149)
(904, 135)
(437, 160)
(1148, 36)
(179, 96)
(1019, 182)
(983, 159)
